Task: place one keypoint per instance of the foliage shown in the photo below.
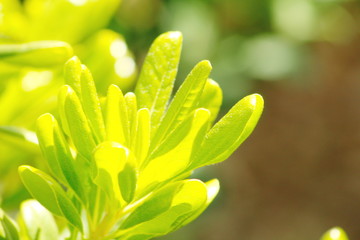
(34, 45)
(119, 164)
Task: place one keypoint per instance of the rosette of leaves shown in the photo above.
(119, 164)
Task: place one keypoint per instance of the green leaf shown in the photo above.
(212, 188)
(45, 133)
(141, 137)
(127, 179)
(335, 233)
(155, 205)
(40, 187)
(36, 222)
(184, 102)
(36, 54)
(131, 105)
(182, 200)
(172, 156)
(91, 104)
(75, 119)
(116, 116)
(57, 153)
(227, 134)
(110, 158)
(50, 194)
(157, 75)
(72, 74)
(9, 227)
(211, 98)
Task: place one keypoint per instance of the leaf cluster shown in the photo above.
(118, 164)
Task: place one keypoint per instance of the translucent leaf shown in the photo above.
(36, 222)
(91, 104)
(127, 179)
(50, 194)
(76, 121)
(116, 116)
(173, 155)
(212, 187)
(110, 158)
(39, 186)
(155, 205)
(335, 233)
(184, 102)
(36, 54)
(157, 75)
(72, 74)
(131, 104)
(227, 134)
(57, 153)
(45, 133)
(141, 137)
(211, 98)
(185, 199)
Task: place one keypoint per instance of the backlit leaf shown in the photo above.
(211, 98)
(110, 158)
(76, 121)
(116, 116)
(227, 134)
(50, 194)
(91, 104)
(172, 156)
(184, 102)
(157, 75)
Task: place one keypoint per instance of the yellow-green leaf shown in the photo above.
(211, 98)
(91, 105)
(173, 155)
(227, 134)
(180, 201)
(76, 121)
(116, 116)
(127, 179)
(110, 158)
(50, 194)
(184, 102)
(141, 137)
(72, 74)
(157, 75)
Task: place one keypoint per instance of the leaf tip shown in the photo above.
(205, 64)
(256, 100)
(174, 35)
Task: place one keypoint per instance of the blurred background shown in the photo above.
(299, 173)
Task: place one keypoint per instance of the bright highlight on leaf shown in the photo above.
(119, 164)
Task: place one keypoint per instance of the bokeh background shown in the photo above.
(299, 173)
